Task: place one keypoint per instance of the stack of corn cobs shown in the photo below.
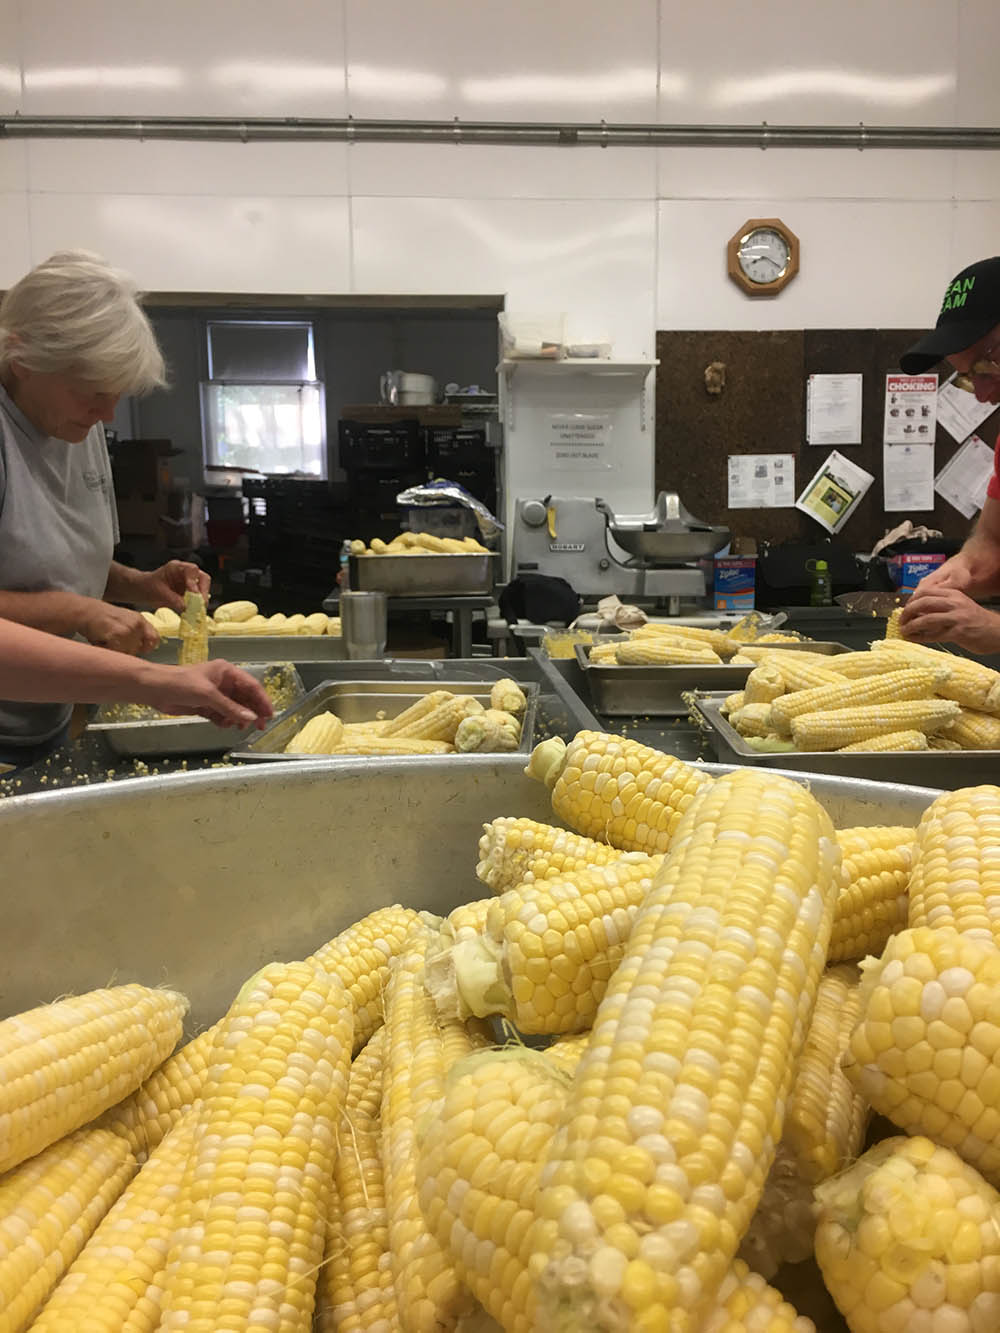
(349, 1145)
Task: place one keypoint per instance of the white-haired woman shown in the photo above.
(73, 339)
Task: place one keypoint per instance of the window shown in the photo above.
(262, 405)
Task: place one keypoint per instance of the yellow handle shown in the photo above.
(550, 516)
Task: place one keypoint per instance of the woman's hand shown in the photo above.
(117, 628)
(946, 615)
(215, 690)
(167, 585)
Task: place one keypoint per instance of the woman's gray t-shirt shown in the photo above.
(58, 529)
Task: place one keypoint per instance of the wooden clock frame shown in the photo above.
(737, 274)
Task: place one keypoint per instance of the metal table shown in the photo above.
(461, 605)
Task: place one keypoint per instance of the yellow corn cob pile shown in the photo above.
(654, 652)
(435, 717)
(894, 740)
(545, 952)
(955, 880)
(518, 851)
(718, 640)
(63, 1064)
(697, 1035)
(419, 543)
(617, 790)
(873, 902)
(912, 683)
(488, 732)
(838, 727)
(193, 630)
(909, 1238)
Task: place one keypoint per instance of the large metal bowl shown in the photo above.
(198, 879)
(670, 547)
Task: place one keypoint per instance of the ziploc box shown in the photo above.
(908, 570)
(735, 580)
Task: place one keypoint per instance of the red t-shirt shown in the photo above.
(993, 489)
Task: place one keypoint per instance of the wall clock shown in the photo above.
(763, 256)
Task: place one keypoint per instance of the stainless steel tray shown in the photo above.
(151, 737)
(658, 691)
(423, 575)
(262, 648)
(948, 769)
(364, 701)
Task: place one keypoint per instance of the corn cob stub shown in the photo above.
(616, 790)
(909, 1239)
(672, 1119)
(193, 631)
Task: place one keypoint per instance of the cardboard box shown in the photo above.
(735, 580)
(906, 571)
(141, 475)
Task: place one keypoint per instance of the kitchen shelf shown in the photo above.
(592, 365)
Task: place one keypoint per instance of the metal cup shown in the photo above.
(363, 624)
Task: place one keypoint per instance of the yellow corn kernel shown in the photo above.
(520, 851)
(320, 735)
(49, 1206)
(64, 1063)
(844, 726)
(360, 957)
(252, 1203)
(955, 879)
(924, 1050)
(116, 1280)
(546, 951)
(488, 732)
(507, 696)
(912, 683)
(616, 790)
(893, 740)
(193, 630)
(873, 903)
(909, 1237)
(689, 1064)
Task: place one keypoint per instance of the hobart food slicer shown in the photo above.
(641, 557)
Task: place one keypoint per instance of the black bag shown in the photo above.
(785, 572)
(539, 598)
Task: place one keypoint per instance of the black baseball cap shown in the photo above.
(971, 307)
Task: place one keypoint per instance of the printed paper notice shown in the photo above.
(833, 409)
(910, 410)
(761, 481)
(579, 441)
(834, 492)
(959, 412)
(964, 478)
(908, 476)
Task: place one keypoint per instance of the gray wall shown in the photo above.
(353, 349)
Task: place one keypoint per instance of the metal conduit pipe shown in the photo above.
(569, 135)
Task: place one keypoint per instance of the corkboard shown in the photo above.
(763, 410)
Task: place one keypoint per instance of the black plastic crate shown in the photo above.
(392, 444)
(457, 447)
(374, 490)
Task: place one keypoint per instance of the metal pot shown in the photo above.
(404, 388)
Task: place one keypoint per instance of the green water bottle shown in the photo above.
(820, 588)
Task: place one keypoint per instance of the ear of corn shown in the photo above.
(911, 683)
(193, 630)
(974, 730)
(617, 790)
(49, 1206)
(64, 1063)
(355, 1290)
(733, 702)
(154, 1109)
(892, 626)
(764, 684)
(519, 851)
(360, 957)
(752, 719)
(433, 718)
(717, 639)
(672, 1119)
(858, 666)
(844, 726)
(316, 623)
(465, 922)
(894, 740)
(508, 697)
(655, 652)
(117, 1277)
(547, 950)
(908, 1238)
(924, 1051)
(873, 902)
(235, 612)
(320, 735)
(955, 880)
(488, 732)
(969, 683)
(260, 1173)
(419, 1051)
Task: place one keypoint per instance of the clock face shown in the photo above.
(763, 255)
